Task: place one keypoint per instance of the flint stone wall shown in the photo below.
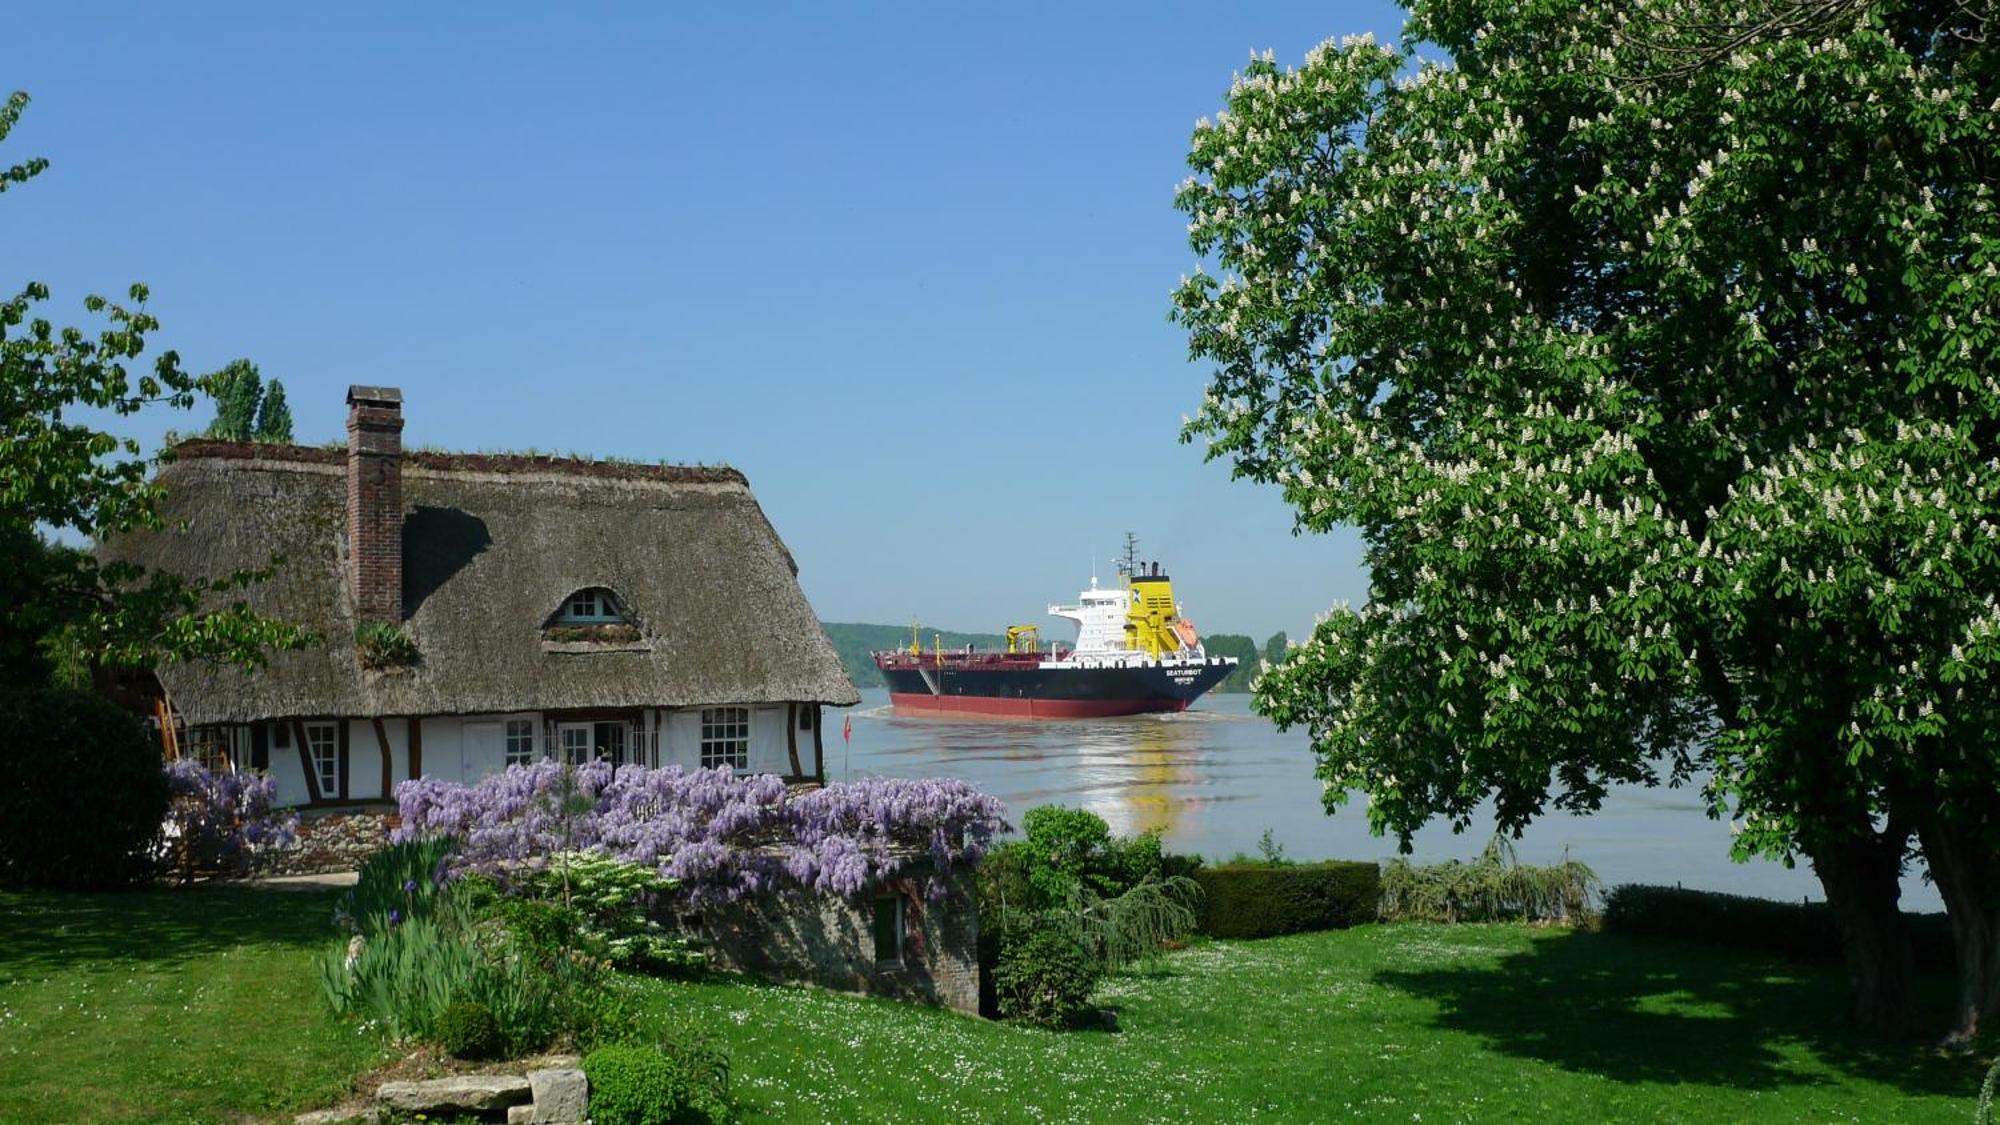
(329, 840)
(830, 941)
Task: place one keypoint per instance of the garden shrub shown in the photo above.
(638, 1085)
(1494, 887)
(468, 1030)
(1044, 977)
(1252, 900)
(1115, 899)
(1792, 929)
(612, 903)
(82, 795)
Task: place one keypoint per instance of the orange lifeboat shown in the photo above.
(1184, 629)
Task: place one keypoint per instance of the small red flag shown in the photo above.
(847, 728)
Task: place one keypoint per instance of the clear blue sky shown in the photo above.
(907, 267)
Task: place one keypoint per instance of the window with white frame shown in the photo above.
(575, 742)
(520, 742)
(323, 751)
(725, 737)
(594, 606)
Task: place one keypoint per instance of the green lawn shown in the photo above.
(1381, 1023)
(200, 1005)
(170, 1005)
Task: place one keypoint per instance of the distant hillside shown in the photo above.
(855, 642)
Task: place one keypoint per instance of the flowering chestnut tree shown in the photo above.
(1652, 349)
(718, 835)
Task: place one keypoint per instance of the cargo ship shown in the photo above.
(1134, 653)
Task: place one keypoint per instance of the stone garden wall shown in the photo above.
(329, 840)
(830, 941)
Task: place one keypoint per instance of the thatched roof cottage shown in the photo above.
(481, 610)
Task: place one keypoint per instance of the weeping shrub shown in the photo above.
(1494, 887)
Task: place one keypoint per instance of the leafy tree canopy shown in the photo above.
(59, 472)
(1652, 349)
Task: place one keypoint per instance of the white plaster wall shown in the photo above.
(442, 748)
(364, 761)
(767, 741)
(286, 771)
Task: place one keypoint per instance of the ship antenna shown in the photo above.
(1131, 554)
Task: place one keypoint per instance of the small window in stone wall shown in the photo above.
(889, 929)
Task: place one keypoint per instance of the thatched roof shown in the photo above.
(492, 545)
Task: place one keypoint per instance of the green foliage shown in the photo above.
(274, 415)
(237, 390)
(1652, 348)
(404, 878)
(1044, 977)
(1117, 900)
(611, 901)
(1793, 929)
(637, 1085)
(1248, 900)
(420, 946)
(1244, 649)
(468, 1031)
(1494, 887)
(81, 792)
(382, 644)
(59, 472)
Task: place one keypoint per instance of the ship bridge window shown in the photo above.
(592, 606)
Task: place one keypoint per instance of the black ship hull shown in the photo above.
(1027, 690)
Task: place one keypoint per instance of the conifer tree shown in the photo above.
(237, 389)
(274, 415)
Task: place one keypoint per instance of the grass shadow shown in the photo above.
(47, 931)
(1644, 1010)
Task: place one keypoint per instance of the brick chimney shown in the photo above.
(375, 501)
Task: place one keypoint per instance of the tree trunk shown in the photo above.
(1968, 879)
(1862, 876)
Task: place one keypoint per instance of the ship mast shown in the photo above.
(1130, 565)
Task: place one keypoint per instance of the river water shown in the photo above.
(1213, 778)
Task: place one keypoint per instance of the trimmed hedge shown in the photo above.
(1250, 900)
(1793, 929)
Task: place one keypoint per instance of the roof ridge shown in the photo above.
(503, 463)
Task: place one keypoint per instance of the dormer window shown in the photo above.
(595, 606)
(592, 619)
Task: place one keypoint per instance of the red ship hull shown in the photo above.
(1031, 708)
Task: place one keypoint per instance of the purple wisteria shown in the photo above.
(214, 817)
(720, 835)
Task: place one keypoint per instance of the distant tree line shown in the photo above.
(1247, 654)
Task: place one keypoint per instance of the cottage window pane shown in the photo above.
(576, 744)
(520, 742)
(323, 750)
(725, 737)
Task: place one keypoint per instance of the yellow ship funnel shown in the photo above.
(1150, 620)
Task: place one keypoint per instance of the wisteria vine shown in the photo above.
(721, 836)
